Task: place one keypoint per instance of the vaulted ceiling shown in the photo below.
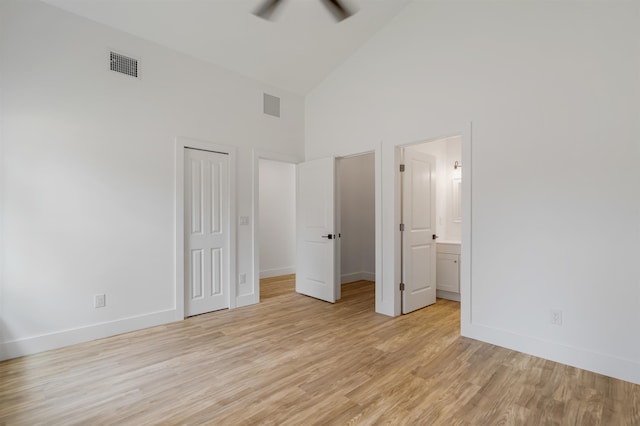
(295, 50)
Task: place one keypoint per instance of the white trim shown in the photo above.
(255, 223)
(467, 234)
(357, 276)
(181, 144)
(244, 300)
(397, 219)
(384, 245)
(368, 276)
(609, 365)
(449, 295)
(87, 333)
(276, 272)
(337, 193)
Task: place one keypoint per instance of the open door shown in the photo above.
(316, 237)
(419, 236)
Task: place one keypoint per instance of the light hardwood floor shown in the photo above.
(295, 360)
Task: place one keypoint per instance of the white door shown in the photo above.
(206, 231)
(419, 245)
(316, 242)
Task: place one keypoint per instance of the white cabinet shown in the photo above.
(448, 267)
(448, 272)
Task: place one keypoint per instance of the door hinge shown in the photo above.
(402, 227)
(402, 167)
(401, 286)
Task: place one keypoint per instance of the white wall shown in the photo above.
(357, 218)
(277, 218)
(553, 92)
(88, 173)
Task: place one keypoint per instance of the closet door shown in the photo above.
(206, 231)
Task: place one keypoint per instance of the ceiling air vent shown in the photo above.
(271, 105)
(123, 64)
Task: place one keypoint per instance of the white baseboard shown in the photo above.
(369, 276)
(276, 272)
(609, 365)
(59, 339)
(357, 276)
(246, 300)
(448, 295)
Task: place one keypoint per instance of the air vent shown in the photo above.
(271, 105)
(124, 64)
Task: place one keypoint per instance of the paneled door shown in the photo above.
(316, 264)
(418, 217)
(206, 231)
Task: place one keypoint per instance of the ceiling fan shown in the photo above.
(336, 7)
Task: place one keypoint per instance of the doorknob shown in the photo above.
(329, 236)
(434, 236)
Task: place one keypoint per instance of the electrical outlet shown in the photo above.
(243, 278)
(100, 301)
(556, 317)
(244, 220)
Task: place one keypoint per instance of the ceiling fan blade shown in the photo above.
(267, 8)
(339, 11)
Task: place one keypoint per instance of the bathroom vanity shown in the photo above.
(448, 269)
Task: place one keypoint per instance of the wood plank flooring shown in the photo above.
(293, 360)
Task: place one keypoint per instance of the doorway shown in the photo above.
(277, 218)
(431, 222)
(319, 231)
(273, 231)
(356, 219)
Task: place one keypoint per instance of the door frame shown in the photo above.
(465, 133)
(181, 144)
(255, 232)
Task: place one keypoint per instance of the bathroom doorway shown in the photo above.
(436, 260)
